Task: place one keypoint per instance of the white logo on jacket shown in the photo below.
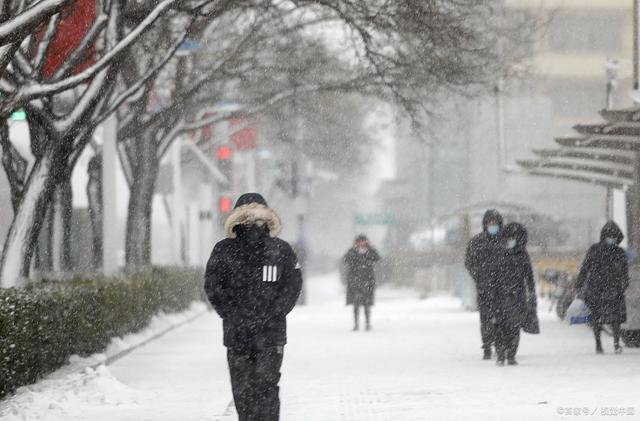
(269, 273)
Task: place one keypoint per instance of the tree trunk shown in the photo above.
(60, 226)
(94, 196)
(145, 172)
(27, 222)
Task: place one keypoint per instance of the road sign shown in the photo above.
(374, 219)
(19, 115)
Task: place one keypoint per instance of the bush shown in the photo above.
(42, 325)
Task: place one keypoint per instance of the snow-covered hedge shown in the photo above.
(43, 325)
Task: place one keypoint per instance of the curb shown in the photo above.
(115, 357)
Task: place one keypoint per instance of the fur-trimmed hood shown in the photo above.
(249, 213)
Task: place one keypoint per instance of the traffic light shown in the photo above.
(225, 204)
(224, 153)
(224, 156)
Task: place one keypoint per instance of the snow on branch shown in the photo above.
(124, 96)
(43, 45)
(13, 29)
(80, 51)
(36, 89)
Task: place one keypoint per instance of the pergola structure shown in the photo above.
(606, 154)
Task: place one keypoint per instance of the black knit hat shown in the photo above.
(249, 198)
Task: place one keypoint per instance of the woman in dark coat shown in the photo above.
(513, 293)
(359, 264)
(602, 281)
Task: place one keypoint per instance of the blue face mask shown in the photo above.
(611, 241)
(493, 229)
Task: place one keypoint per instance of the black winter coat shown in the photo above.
(604, 277)
(360, 275)
(513, 293)
(482, 259)
(253, 289)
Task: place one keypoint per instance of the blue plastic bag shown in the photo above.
(578, 313)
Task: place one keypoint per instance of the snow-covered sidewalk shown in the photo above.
(421, 362)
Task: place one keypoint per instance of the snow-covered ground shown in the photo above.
(421, 362)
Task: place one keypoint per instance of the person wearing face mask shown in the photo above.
(482, 258)
(602, 281)
(253, 281)
(359, 264)
(513, 293)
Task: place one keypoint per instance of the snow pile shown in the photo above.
(71, 395)
(87, 382)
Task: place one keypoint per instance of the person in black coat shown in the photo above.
(481, 260)
(513, 293)
(253, 281)
(359, 263)
(602, 281)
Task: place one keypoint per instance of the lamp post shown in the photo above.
(611, 68)
(636, 45)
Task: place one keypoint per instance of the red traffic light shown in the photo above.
(225, 204)
(224, 153)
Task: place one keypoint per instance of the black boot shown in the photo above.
(512, 361)
(597, 329)
(616, 338)
(355, 318)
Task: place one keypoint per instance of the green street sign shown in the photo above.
(19, 115)
(374, 219)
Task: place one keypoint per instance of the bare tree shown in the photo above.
(62, 114)
(404, 50)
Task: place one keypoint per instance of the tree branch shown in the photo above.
(43, 45)
(81, 50)
(15, 28)
(36, 89)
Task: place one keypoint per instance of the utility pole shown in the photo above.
(611, 68)
(298, 170)
(177, 203)
(633, 194)
(636, 45)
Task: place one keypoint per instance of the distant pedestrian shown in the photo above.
(602, 281)
(359, 263)
(253, 280)
(513, 294)
(481, 260)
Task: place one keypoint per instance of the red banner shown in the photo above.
(76, 21)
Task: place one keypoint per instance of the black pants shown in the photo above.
(487, 327)
(255, 373)
(507, 339)
(356, 314)
(597, 330)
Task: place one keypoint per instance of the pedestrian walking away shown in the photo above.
(513, 295)
(481, 260)
(602, 281)
(359, 264)
(253, 281)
